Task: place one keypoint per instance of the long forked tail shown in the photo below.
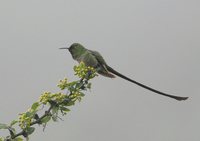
(144, 86)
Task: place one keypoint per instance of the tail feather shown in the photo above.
(106, 74)
(144, 86)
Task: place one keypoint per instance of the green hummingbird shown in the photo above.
(94, 59)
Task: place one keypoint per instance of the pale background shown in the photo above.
(156, 42)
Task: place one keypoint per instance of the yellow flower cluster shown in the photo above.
(62, 84)
(45, 97)
(83, 71)
(59, 97)
(56, 97)
(77, 95)
(25, 120)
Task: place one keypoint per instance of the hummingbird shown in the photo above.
(94, 59)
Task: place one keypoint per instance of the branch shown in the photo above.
(55, 103)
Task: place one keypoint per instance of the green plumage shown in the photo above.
(95, 60)
(90, 58)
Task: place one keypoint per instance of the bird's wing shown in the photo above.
(89, 59)
(99, 58)
(102, 64)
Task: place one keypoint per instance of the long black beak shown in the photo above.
(64, 48)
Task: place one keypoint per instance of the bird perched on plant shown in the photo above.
(95, 60)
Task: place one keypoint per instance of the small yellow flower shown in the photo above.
(45, 97)
(24, 120)
(63, 84)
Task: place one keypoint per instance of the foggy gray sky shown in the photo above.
(155, 42)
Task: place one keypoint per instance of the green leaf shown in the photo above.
(3, 126)
(55, 110)
(29, 114)
(79, 85)
(55, 118)
(81, 94)
(35, 106)
(30, 130)
(46, 119)
(89, 85)
(72, 83)
(18, 139)
(13, 122)
(70, 103)
(64, 109)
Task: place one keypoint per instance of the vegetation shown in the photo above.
(50, 106)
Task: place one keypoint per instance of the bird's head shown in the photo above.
(75, 49)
